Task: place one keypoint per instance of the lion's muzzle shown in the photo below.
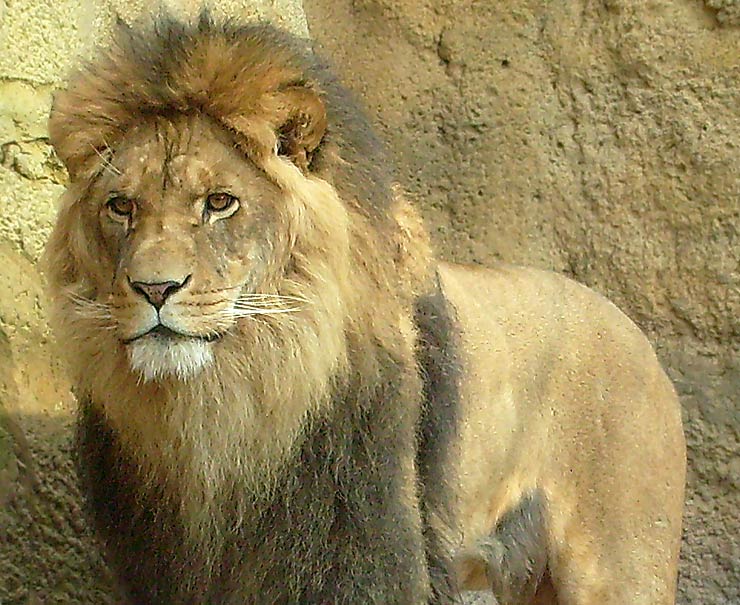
(163, 344)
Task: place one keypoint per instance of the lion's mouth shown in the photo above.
(160, 331)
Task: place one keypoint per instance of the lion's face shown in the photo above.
(189, 231)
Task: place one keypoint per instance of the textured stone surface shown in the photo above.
(727, 11)
(45, 552)
(600, 139)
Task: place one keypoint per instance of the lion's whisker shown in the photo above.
(270, 301)
(78, 298)
(92, 310)
(265, 307)
(246, 312)
(106, 161)
(267, 295)
(268, 308)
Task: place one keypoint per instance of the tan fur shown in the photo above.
(559, 393)
(562, 393)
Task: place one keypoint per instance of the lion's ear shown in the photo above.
(69, 135)
(300, 123)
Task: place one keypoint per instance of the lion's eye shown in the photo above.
(221, 203)
(120, 207)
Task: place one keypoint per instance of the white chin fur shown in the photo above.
(156, 358)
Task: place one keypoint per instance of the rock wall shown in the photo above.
(46, 553)
(599, 139)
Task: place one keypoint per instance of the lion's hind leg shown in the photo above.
(512, 560)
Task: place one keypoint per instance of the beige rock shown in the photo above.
(600, 139)
(44, 546)
(727, 11)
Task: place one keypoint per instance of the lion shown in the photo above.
(286, 398)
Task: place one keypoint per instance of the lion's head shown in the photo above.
(214, 176)
(230, 237)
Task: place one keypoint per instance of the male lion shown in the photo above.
(285, 399)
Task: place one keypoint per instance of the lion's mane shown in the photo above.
(290, 392)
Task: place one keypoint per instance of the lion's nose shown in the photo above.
(157, 292)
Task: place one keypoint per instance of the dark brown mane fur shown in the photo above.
(228, 71)
(350, 506)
